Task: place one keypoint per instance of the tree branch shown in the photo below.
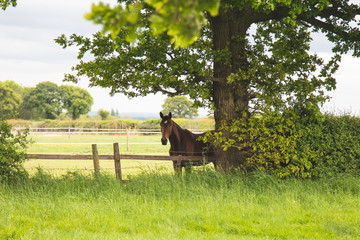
(208, 78)
(167, 92)
(279, 13)
(341, 12)
(332, 28)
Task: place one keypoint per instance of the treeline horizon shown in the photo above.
(46, 100)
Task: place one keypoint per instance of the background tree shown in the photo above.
(44, 101)
(10, 101)
(76, 100)
(103, 114)
(225, 67)
(180, 107)
(22, 112)
(14, 86)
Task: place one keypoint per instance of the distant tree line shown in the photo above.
(46, 100)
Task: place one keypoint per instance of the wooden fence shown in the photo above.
(117, 157)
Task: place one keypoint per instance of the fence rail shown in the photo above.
(111, 157)
(117, 158)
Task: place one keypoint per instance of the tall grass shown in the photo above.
(202, 205)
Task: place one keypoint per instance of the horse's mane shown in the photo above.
(183, 129)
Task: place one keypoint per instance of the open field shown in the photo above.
(203, 205)
(156, 204)
(81, 144)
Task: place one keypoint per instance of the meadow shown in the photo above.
(201, 205)
(81, 144)
(72, 203)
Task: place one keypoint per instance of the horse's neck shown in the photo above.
(174, 137)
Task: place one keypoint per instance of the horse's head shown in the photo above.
(166, 125)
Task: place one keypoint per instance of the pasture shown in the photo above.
(81, 144)
(202, 205)
(156, 204)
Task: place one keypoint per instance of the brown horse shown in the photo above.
(182, 142)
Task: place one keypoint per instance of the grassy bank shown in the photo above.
(203, 205)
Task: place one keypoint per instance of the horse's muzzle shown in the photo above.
(164, 141)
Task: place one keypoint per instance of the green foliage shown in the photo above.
(116, 124)
(5, 3)
(103, 114)
(181, 19)
(76, 100)
(45, 100)
(284, 74)
(180, 107)
(10, 101)
(223, 66)
(106, 124)
(12, 153)
(287, 146)
(153, 124)
(271, 142)
(152, 65)
(337, 140)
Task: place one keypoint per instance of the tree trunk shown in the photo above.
(230, 99)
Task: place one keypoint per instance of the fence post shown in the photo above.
(117, 161)
(204, 158)
(96, 159)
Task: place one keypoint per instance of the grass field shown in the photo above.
(156, 204)
(202, 205)
(81, 144)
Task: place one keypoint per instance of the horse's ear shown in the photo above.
(170, 115)
(161, 115)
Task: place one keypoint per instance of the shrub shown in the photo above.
(337, 140)
(12, 153)
(270, 143)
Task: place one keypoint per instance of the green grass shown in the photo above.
(203, 205)
(137, 144)
(144, 144)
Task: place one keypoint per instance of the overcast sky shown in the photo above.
(29, 55)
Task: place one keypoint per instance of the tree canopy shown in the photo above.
(76, 101)
(180, 107)
(10, 101)
(44, 100)
(240, 57)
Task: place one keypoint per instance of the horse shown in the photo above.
(183, 142)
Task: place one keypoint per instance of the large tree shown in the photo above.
(239, 56)
(44, 101)
(10, 101)
(76, 101)
(180, 107)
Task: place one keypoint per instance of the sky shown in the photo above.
(29, 55)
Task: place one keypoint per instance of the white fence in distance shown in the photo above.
(74, 130)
